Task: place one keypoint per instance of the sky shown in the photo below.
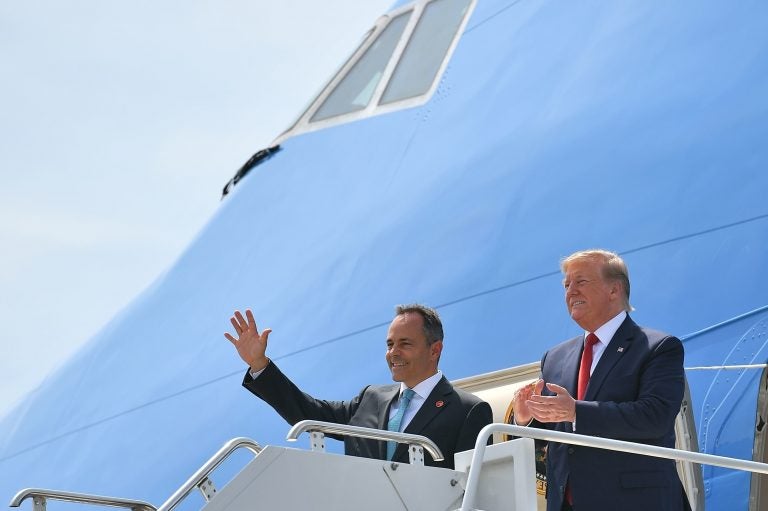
(120, 122)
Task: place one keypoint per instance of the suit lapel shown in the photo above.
(570, 366)
(437, 401)
(618, 346)
(388, 398)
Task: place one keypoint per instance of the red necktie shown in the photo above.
(586, 366)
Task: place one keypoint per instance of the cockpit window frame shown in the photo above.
(304, 122)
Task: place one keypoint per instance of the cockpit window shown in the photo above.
(398, 65)
(355, 90)
(425, 53)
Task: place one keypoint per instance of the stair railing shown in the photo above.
(473, 479)
(40, 497)
(200, 479)
(417, 444)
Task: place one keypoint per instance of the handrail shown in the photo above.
(473, 478)
(84, 498)
(370, 433)
(201, 476)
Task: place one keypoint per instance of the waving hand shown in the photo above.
(250, 345)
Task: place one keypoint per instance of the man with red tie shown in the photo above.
(617, 380)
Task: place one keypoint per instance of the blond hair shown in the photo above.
(613, 268)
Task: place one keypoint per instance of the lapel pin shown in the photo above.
(621, 349)
(439, 404)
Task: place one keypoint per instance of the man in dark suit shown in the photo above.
(423, 403)
(618, 380)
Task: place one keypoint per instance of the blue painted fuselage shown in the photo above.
(635, 126)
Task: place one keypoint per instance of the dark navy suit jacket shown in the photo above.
(634, 394)
(449, 417)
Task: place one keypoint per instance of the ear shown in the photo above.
(435, 349)
(616, 290)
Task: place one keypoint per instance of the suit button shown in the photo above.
(571, 450)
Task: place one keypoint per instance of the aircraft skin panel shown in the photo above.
(725, 406)
(557, 126)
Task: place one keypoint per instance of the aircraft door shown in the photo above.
(758, 492)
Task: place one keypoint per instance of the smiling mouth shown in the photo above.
(578, 302)
(395, 365)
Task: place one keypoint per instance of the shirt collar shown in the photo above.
(425, 387)
(606, 332)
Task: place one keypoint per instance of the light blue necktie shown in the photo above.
(394, 422)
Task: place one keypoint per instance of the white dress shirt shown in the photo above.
(604, 334)
(421, 393)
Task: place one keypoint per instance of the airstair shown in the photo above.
(488, 478)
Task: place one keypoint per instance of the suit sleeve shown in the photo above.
(533, 423)
(293, 405)
(479, 416)
(652, 397)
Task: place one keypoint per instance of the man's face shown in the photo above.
(409, 357)
(591, 299)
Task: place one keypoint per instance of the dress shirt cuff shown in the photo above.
(514, 421)
(255, 374)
